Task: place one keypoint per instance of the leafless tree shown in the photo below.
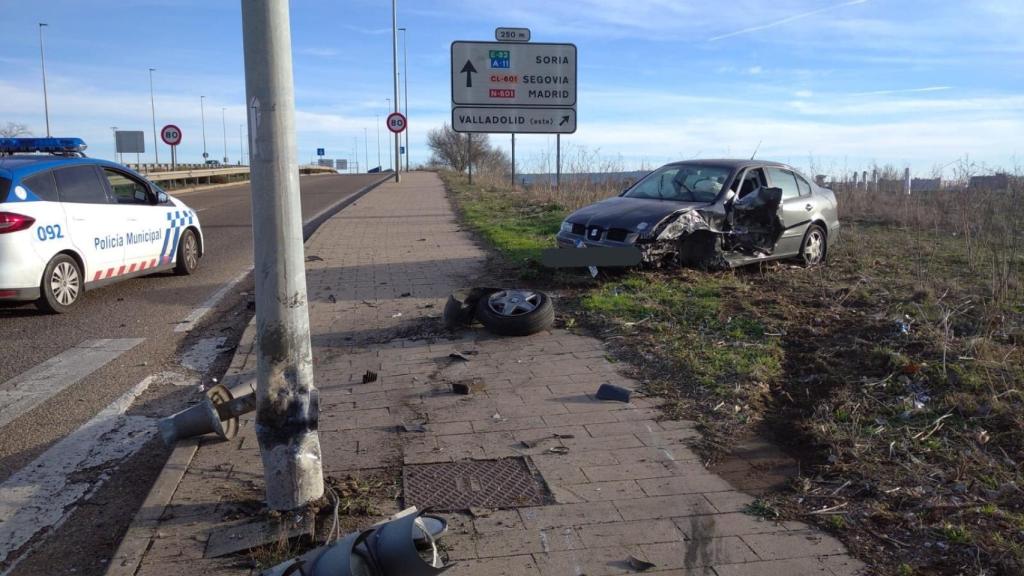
(14, 129)
(452, 149)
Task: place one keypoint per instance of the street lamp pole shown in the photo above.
(379, 163)
(241, 147)
(287, 410)
(224, 126)
(366, 152)
(394, 67)
(114, 130)
(152, 107)
(405, 79)
(378, 131)
(202, 112)
(42, 61)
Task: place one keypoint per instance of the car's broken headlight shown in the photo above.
(685, 223)
(566, 226)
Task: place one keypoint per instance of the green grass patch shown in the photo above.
(519, 229)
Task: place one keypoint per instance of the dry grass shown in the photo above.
(894, 374)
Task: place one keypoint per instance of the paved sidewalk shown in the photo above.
(627, 485)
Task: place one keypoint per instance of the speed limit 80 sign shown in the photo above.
(396, 122)
(171, 135)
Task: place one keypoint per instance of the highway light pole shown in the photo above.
(288, 406)
(202, 112)
(42, 61)
(389, 131)
(366, 152)
(379, 163)
(114, 130)
(241, 147)
(224, 127)
(152, 107)
(394, 66)
(405, 100)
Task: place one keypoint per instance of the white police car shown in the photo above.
(70, 223)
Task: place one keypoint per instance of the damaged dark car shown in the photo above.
(713, 214)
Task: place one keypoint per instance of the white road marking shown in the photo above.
(203, 353)
(44, 381)
(190, 321)
(42, 495)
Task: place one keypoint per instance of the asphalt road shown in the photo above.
(148, 309)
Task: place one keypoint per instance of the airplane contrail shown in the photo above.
(902, 91)
(785, 20)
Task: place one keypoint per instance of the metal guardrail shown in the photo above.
(198, 174)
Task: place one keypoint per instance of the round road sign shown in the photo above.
(171, 135)
(396, 122)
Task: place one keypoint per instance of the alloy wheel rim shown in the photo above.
(513, 302)
(64, 283)
(813, 248)
(191, 251)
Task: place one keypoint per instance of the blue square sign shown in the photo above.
(319, 151)
(500, 58)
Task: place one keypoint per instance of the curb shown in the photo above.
(136, 540)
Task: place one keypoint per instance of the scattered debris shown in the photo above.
(414, 427)
(369, 376)
(468, 386)
(612, 392)
(558, 450)
(332, 299)
(405, 294)
(539, 441)
(639, 565)
(458, 356)
(396, 315)
(314, 258)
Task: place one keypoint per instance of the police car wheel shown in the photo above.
(61, 287)
(188, 254)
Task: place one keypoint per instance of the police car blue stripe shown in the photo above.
(174, 245)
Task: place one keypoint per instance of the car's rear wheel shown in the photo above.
(814, 249)
(188, 254)
(61, 286)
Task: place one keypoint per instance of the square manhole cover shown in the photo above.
(449, 486)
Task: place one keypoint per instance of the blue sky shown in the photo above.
(839, 84)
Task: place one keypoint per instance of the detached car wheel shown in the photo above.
(516, 312)
(61, 286)
(460, 310)
(814, 249)
(188, 254)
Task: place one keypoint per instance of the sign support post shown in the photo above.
(558, 161)
(469, 155)
(513, 160)
(287, 402)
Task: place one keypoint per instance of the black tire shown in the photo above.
(61, 286)
(531, 312)
(188, 254)
(814, 247)
(460, 310)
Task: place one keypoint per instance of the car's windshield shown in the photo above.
(682, 183)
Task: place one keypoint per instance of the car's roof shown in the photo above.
(24, 164)
(735, 164)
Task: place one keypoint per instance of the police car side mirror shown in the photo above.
(161, 197)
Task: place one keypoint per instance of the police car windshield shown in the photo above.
(681, 183)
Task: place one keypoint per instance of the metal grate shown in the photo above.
(450, 486)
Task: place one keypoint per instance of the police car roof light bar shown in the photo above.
(60, 146)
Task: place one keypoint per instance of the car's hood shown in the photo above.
(627, 213)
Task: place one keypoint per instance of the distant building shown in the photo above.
(993, 182)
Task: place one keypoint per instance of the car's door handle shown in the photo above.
(808, 207)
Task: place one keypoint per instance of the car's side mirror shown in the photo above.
(161, 197)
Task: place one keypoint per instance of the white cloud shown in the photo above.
(786, 20)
